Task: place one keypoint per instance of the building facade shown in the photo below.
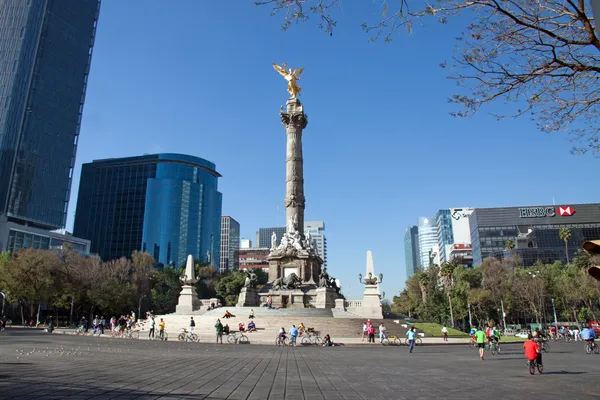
(45, 56)
(245, 244)
(411, 250)
(427, 239)
(445, 236)
(263, 236)
(230, 244)
(166, 204)
(254, 258)
(14, 236)
(316, 228)
(534, 230)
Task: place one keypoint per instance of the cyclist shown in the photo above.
(489, 334)
(301, 328)
(496, 338)
(282, 333)
(532, 350)
(192, 325)
(588, 335)
(161, 329)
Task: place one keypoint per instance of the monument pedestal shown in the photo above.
(188, 300)
(305, 265)
(248, 298)
(371, 303)
(326, 297)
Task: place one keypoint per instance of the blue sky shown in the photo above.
(380, 149)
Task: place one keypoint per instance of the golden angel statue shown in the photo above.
(291, 76)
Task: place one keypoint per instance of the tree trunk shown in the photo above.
(567, 250)
(451, 313)
(22, 315)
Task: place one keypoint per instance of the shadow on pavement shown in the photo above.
(564, 373)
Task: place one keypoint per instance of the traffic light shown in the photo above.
(593, 247)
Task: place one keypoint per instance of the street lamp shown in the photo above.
(555, 320)
(3, 298)
(140, 306)
(370, 280)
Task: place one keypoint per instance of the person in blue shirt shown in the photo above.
(293, 335)
(588, 335)
(411, 338)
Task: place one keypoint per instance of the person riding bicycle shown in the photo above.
(489, 335)
(282, 333)
(301, 328)
(532, 350)
(588, 335)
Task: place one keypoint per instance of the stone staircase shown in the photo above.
(338, 324)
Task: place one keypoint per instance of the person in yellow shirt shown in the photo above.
(161, 329)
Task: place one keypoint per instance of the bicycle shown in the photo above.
(418, 342)
(311, 338)
(281, 340)
(184, 336)
(494, 348)
(161, 335)
(544, 346)
(393, 340)
(533, 364)
(592, 346)
(81, 330)
(131, 334)
(235, 337)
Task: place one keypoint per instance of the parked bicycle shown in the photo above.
(185, 335)
(235, 337)
(311, 337)
(418, 341)
(161, 335)
(393, 340)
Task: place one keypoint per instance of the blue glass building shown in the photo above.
(45, 55)
(166, 204)
(444, 232)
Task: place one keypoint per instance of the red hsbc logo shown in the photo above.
(565, 211)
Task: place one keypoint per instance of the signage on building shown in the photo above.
(565, 211)
(536, 212)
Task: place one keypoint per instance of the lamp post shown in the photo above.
(3, 298)
(140, 306)
(370, 280)
(555, 320)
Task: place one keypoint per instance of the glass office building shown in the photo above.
(45, 56)
(263, 236)
(230, 244)
(534, 230)
(411, 250)
(166, 204)
(445, 236)
(427, 239)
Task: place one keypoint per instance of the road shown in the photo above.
(34, 364)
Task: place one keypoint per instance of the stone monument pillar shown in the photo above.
(188, 298)
(371, 304)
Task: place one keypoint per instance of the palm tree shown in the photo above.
(565, 234)
(447, 272)
(509, 244)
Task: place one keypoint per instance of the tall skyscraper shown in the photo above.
(230, 244)
(411, 250)
(45, 55)
(165, 204)
(427, 238)
(263, 236)
(445, 236)
(316, 229)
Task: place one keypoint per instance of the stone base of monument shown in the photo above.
(188, 300)
(303, 297)
(248, 298)
(306, 266)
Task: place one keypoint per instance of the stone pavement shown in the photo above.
(34, 364)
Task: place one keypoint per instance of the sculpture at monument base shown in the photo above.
(188, 298)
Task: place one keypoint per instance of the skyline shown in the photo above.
(379, 147)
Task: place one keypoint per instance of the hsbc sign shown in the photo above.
(537, 212)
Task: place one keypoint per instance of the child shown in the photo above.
(532, 350)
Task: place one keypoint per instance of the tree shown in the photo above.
(565, 235)
(165, 290)
(509, 244)
(229, 286)
(545, 55)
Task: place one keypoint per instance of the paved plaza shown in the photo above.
(34, 364)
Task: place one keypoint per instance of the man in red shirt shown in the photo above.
(532, 350)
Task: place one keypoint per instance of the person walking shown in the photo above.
(480, 338)
(219, 329)
(293, 335)
(161, 329)
(381, 333)
(411, 334)
(102, 324)
(152, 326)
(445, 332)
(364, 332)
(192, 325)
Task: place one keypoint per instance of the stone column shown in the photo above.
(294, 121)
